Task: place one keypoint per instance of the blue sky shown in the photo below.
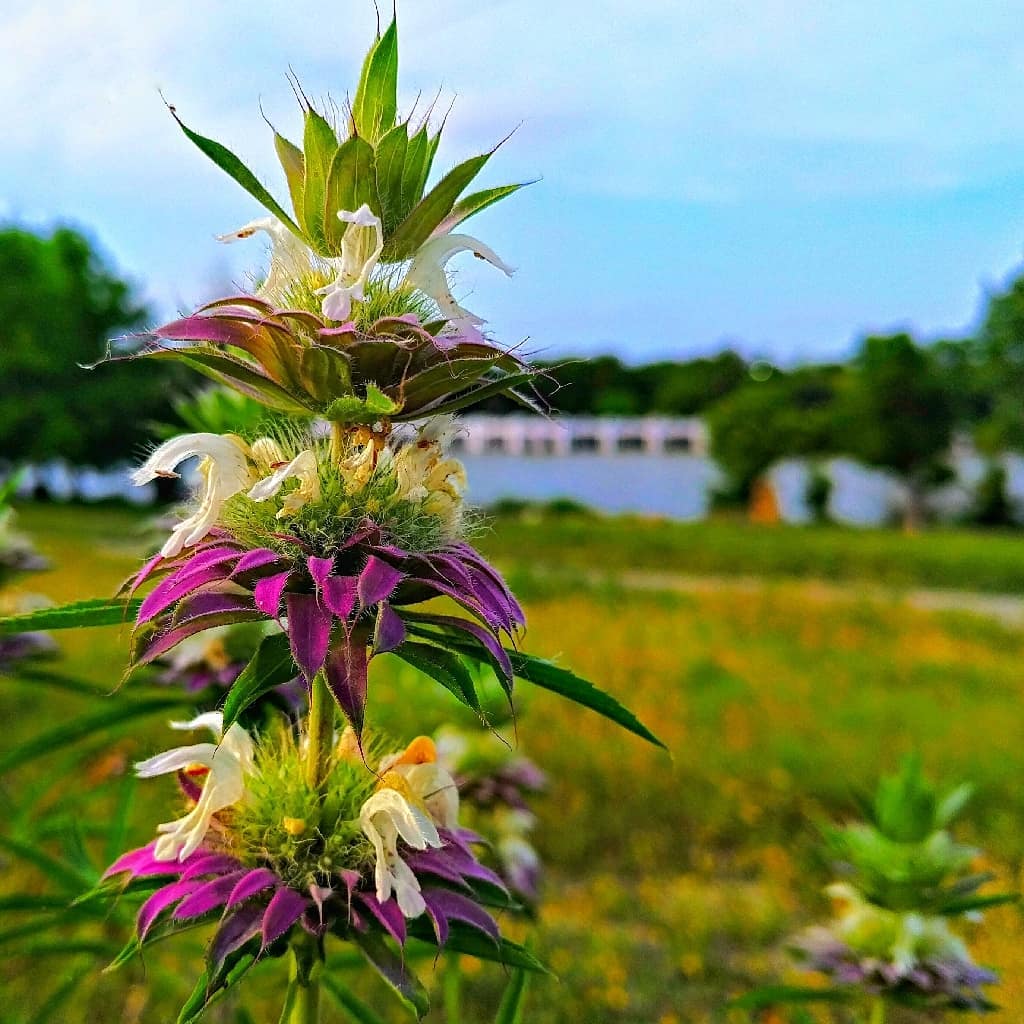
(782, 175)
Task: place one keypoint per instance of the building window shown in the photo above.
(631, 444)
(678, 445)
(585, 443)
(496, 445)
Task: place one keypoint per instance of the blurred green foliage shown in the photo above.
(60, 304)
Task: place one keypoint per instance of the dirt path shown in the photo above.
(1006, 608)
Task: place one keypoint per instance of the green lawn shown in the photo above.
(672, 882)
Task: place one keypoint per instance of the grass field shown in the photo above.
(672, 881)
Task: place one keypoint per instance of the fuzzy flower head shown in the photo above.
(906, 954)
(226, 764)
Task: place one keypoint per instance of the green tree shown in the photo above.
(789, 414)
(60, 304)
(901, 415)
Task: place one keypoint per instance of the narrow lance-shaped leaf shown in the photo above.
(558, 680)
(94, 612)
(444, 667)
(472, 204)
(431, 209)
(511, 1009)
(417, 153)
(376, 100)
(271, 665)
(394, 970)
(349, 1002)
(228, 162)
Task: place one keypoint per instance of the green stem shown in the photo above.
(302, 1002)
(452, 990)
(877, 1012)
(320, 732)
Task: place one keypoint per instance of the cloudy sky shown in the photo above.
(779, 174)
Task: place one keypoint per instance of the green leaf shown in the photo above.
(294, 165)
(443, 666)
(352, 409)
(54, 679)
(511, 1009)
(351, 1004)
(472, 204)
(48, 1012)
(503, 385)
(93, 612)
(779, 995)
(417, 154)
(392, 968)
(319, 144)
(559, 680)
(228, 162)
(463, 939)
(351, 181)
(211, 986)
(62, 874)
(271, 665)
(376, 101)
(431, 210)
(79, 728)
(389, 160)
(965, 906)
(325, 372)
(235, 373)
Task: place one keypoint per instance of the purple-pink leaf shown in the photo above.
(319, 569)
(204, 328)
(182, 583)
(390, 630)
(206, 863)
(285, 908)
(160, 901)
(339, 594)
(454, 906)
(237, 929)
(377, 581)
(209, 896)
(309, 631)
(251, 883)
(387, 913)
(267, 593)
(255, 559)
(345, 669)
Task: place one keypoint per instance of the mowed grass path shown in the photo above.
(673, 882)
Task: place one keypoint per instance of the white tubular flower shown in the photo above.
(427, 272)
(386, 816)
(303, 468)
(359, 466)
(424, 473)
(429, 783)
(361, 246)
(228, 761)
(290, 258)
(225, 470)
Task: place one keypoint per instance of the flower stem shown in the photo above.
(452, 990)
(337, 438)
(320, 732)
(877, 1012)
(302, 1003)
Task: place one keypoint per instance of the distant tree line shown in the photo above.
(896, 403)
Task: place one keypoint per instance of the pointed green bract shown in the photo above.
(472, 204)
(351, 181)
(294, 165)
(442, 666)
(431, 209)
(390, 156)
(376, 101)
(319, 144)
(228, 162)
